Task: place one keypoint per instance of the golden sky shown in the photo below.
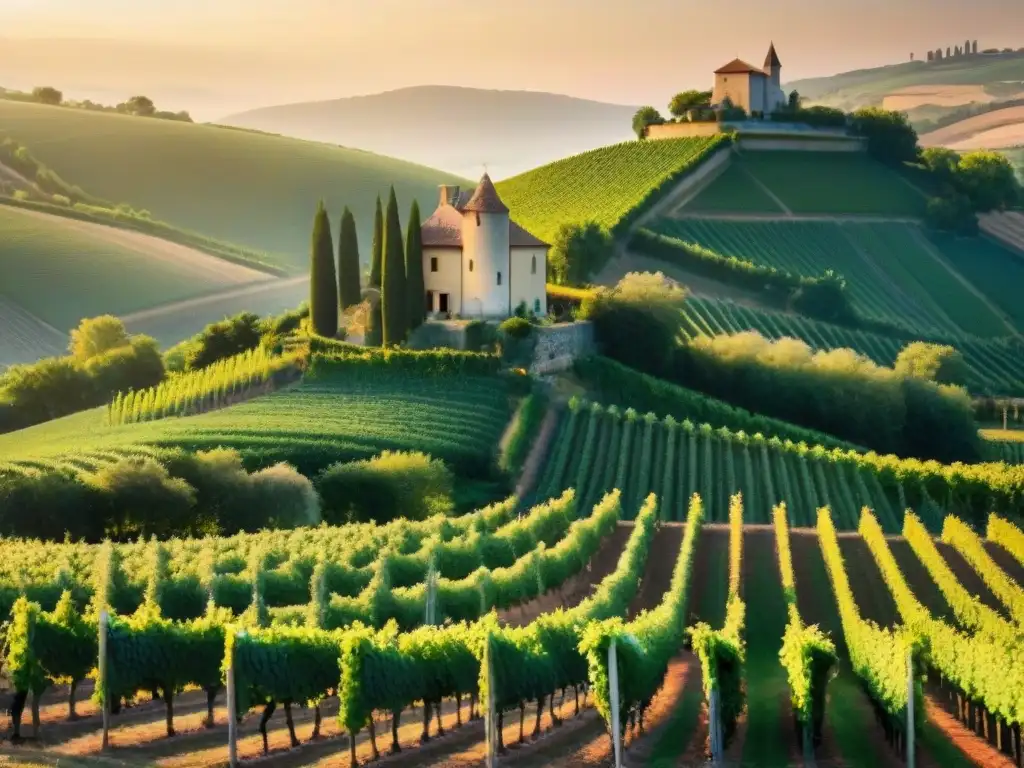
(627, 52)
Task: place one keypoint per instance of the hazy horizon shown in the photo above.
(240, 55)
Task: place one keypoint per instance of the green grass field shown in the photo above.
(604, 185)
(253, 189)
(733, 190)
(996, 365)
(61, 270)
(334, 416)
(890, 272)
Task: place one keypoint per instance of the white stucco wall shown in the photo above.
(529, 286)
(734, 86)
(485, 257)
(447, 279)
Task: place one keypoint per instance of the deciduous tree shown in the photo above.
(96, 335)
(323, 284)
(644, 117)
(44, 94)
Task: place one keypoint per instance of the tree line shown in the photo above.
(139, 106)
(395, 293)
(969, 48)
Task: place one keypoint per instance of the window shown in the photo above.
(536, 306)
(470, 265)
(533, 266)
(433, 263)
(478, 219)
(499, 278)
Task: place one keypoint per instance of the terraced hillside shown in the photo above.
(996, 365)
(258, 190)
(892, 270)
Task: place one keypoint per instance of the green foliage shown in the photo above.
(644, 117)
(95, 336)
(528, 420)
(144, 499)
(645, 645)
(683, 102)
(610, 186)
(968, 544)
(389, 486)
(940, 363)
(323, 282)
(415, 287)
(637, 320)
(221, 340)
(953, 213)
(1007, 535)
(988, 180)
(377, 247)
(394, 296)
(349, 267)
(891, 139)
(18, 158)
(578, 253)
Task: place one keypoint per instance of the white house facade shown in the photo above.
(757, 91)
(477, 262)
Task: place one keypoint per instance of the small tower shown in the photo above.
(486, 278)
(773, 67)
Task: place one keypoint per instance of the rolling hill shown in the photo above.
(998, 129)
(58, 270)
(457, 129)
(915, 83)
(249, 188)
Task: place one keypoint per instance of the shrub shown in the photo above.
(953, 213)
(637, 320)
(227, 338)
(480, 336)
(225, 500)
(516, 328)
(890, 137)
(96, 335)
(824, 298)
(644, 117)
(142, 499)
(579, 252)
(932, 362)
(49, 505)
(136, 366)
(285, 497)
(392, 485)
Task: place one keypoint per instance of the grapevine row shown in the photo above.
(807, 654)
(1007, 535)
(970, 546)
(722, 652)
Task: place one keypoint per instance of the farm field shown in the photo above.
(254, 189)
(996, 365)
(674, 728)
(890, 271)
(805, 182)
(25, 336)
(331, 416)
(996, 271)
(1006, 227)
(607, 185)
(998, 129)
(733, 190)
(62, 270)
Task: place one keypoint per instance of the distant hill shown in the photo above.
(981, 77)
(457, 129)
(239, 186)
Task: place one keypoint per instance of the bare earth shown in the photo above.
(938, 95)
(993, 130)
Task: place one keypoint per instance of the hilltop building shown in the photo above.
(757, 91)
(477, 262)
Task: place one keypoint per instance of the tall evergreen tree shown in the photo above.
(414, 283)
(393, 293)
(349, 293)
(377, 252)
(323, 285)
(374, 321)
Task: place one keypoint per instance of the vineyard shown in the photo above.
(805, 182)
(890, 270)
(996, 271)
(609, 186)
(342, 410)
(996, 366)
(585, 582)
(597, 448)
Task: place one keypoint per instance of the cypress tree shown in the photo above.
(393, 294)
(349, 293)
(374, 322)
(377, 252)
(414, 283)
(323, 286)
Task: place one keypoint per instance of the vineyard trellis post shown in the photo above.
(715, 726)
(910, 708)
(102, 674)
(430, 617)
(232, 718)
(613, 697)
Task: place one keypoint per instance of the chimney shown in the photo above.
(449, 194)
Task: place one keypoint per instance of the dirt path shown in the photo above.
(968, 577)
(767, 190)
(975, 749)
(538, 451)
(928, 247)
(920, 581)
(661, 561)
(873, 598)
(1014, 568)
(203, 265)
